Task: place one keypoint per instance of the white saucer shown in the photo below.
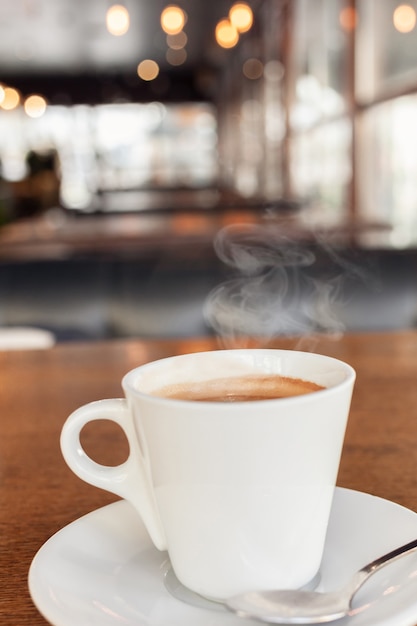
(102, 569)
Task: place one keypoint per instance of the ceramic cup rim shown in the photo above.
(129, 379)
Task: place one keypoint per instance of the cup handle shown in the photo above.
(129, 480)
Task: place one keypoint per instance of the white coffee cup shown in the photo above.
(238, 493)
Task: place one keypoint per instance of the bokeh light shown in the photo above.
(227, 35)
(11, 99)
(241, 16)
(253, 69)
(348, 18)
(404, 18)
(117, 20)
(274, 71)
(35, 106)
(172, 19)
(178, 41)
(176, 57)
(148, 69)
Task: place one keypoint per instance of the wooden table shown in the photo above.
(38, 389)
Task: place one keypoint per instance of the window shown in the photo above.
(115, 147)
(352, 90)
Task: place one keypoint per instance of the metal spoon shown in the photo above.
(309, 607)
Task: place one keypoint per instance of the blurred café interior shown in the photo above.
(194, 168)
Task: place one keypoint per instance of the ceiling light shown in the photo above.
(253, 69)
(148, 69)
(117, 20)
(241, 16)
(172, 19)
(35, 106)
(176, 57)
(178, 41)
(11, 99)
(226, 34)
(2, 94)
(404, 18)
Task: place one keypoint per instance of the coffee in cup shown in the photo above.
(239, 389)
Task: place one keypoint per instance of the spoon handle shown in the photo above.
(368, 570)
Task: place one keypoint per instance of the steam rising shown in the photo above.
(275, 288)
